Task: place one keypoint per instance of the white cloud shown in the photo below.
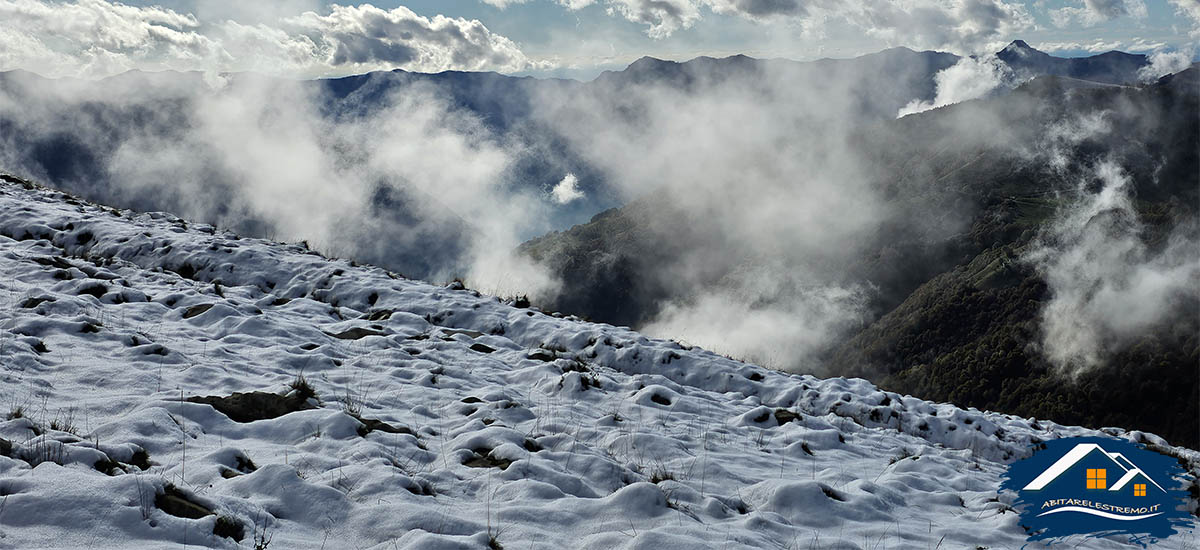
(99, 38)
(968, 79)
(662, 17)
(1190, 10)
(1096, 46)
(367, 36)
(960, 25)
(503, 3)
(753, 324)
(1165, 62)
(969, 26)
(566, 190)
(1107, 287)
(1093, 12)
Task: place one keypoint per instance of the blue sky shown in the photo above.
(575, 38)
(543, 27)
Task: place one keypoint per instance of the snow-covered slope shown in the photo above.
(442, 418)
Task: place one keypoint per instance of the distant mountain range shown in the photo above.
(1109, 67)
(70, 140)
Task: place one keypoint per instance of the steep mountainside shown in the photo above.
(170, 384)
(956, 310)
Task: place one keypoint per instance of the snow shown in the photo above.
(539, 430)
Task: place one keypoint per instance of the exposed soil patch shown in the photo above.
(53, 261)
(229, 528)
(483, 459)
(31, 303)
(783, 416)
(141, 459)
(356, 333)
(108, 466)
(833, 494)
(248, 407)
(196, 310)
(97, 290)
(481, 348)
(242, 465)
(372, 424)
(178, 504)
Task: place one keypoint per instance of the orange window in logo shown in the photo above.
(1096, 478)
(1139, 489)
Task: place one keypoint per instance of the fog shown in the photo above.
(766, 187)
(406, 182)
(1107, 286)
(970, 78)
(763, 198)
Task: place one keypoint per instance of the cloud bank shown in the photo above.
(96, 38)
(968, 26)
(957, 25)
(404, 179)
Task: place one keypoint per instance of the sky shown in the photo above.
(566, 38)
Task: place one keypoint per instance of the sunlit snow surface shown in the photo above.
(616, 440)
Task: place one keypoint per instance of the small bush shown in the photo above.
(302, 388)
(64, 422)
(661, 474)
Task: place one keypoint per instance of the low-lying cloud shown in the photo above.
(1165, 62)
(756, 199)
(567, 190)
(1107, 286)
(970, 78)
(765, 320)
(404, 180)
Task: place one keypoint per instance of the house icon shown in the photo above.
(1098, 486)
(1090, 467)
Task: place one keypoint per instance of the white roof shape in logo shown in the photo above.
(1076, 454)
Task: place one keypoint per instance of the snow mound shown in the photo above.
(379, 412)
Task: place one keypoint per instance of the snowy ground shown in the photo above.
(504, 422)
